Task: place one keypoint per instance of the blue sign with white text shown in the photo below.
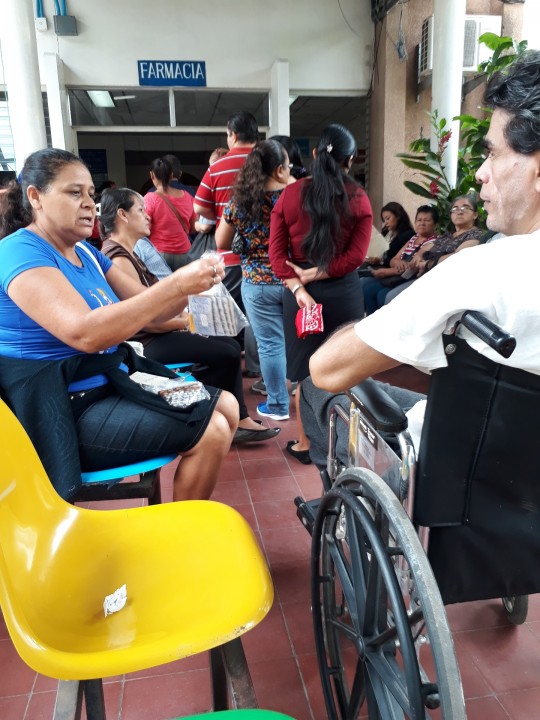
(172, 72)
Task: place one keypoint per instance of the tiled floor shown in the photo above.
(500, 664)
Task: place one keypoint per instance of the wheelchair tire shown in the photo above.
(369, 633)
(516, 608)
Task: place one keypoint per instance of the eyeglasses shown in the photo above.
(461, 208)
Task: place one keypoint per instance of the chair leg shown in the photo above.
(218, 678)
(155, 498)
(231, 680)
(68, 705)
(94, 700)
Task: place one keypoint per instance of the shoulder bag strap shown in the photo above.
(175, 211)
(91, 256)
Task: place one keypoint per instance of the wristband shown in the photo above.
(296, 288)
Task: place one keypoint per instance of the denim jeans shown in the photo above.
(264, 307)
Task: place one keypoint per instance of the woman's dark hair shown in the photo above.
(404, 221)
(470, 198)
(113, 200)
(176, 165)
(248, 193)
(516, 91)
(40, 170)
(326, 195)
(163, 171)
(431, 210)
(295, 155)
(244, 125)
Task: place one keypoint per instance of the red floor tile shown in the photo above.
(16, 678)
(274, 514)
(41, 706)
(299, 623)
(266, 468)
(522, 705)
(166, 696)
(279, 686)
(14, 707)
(488, 708)
(508, 658)
(269, 639)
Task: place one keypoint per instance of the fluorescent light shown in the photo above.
(124, 97)
(101, 98)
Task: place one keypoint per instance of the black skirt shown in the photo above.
(342, 301)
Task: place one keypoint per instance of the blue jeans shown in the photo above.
(264, 307)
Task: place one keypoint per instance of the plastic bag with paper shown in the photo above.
(215, 312)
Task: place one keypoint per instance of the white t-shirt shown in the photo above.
(499, 279)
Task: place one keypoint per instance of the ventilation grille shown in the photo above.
(470, 46)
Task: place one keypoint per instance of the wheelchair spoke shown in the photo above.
(369, 610)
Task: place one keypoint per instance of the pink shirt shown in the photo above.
(166, 231)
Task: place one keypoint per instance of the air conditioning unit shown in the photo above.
(473, 52)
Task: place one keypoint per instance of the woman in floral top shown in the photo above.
(263, 177)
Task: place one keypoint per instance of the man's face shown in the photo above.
(510, 183)
(231, 138)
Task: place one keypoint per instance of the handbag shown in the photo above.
(175, 211)
(238, 245)
(203, 242)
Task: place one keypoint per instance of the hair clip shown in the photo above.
(329, 148)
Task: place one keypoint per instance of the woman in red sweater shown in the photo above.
(319, 235)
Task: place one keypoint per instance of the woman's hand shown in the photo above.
(397, 269)
(307, 275)
(200, 275)
(304, 299)
(373, 260)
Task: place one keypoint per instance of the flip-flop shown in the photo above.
(300, 455)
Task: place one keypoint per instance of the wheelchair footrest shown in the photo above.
(306, 510)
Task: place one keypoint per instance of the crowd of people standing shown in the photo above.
(292, 241)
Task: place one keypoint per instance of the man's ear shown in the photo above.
(34, 197)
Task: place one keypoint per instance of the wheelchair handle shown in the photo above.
(501, 341)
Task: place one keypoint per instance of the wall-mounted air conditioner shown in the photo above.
(473, 52)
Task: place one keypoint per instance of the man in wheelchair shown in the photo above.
(476, 503)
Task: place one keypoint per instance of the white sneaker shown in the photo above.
(263, 411)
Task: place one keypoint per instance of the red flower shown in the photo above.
(434, 188)
(443, 142)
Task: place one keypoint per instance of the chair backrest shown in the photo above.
(477, 480)
(33, 519)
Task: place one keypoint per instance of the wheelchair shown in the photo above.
(395, 537)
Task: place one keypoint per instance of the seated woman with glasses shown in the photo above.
(464, 214)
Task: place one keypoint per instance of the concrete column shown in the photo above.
(531, 24)
(448, 39)
(21, 72)
(279, 99)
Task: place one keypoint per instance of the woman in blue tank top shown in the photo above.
(61, 299)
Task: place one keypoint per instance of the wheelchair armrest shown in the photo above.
(381, 411)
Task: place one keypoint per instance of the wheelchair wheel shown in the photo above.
(380, 626)
(516, 608)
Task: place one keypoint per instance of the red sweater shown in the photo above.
(290, 224)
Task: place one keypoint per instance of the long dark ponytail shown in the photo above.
(249, 194)
(326, 199)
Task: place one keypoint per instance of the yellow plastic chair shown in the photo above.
(194, 574)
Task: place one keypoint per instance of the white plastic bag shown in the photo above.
(215, 312)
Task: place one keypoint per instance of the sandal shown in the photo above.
(300, 455)
(243, 435)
